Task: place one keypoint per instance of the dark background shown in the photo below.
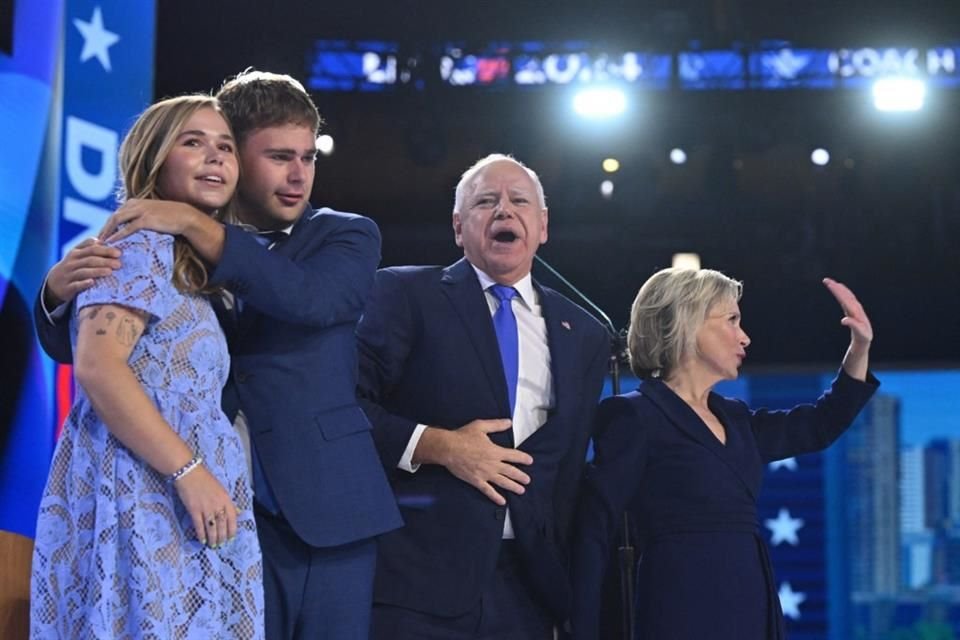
(883, 216)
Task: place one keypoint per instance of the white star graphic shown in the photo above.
(784, 528)
(96, 40)
(791, 600)
(789, 463)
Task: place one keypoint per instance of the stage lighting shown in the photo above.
(899, 94)
(678, 156)
(686, 261)
(611, 165)
(600, 102)
(820, 157)
(606, 189)
(325, 144)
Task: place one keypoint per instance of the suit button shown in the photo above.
(499, 513)
(242, 376)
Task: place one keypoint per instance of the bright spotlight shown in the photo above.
(686, 261)
(325, 144)
(611, 165)
(606, 189)
(678, 156)
(899, 94)
(600, 102)
(820, 157)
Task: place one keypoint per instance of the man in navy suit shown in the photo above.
(297, 281)
(483, 443)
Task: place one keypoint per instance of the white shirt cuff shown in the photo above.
(52, 316)
(406, 460)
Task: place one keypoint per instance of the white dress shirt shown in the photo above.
(535, 382)
(53, 315)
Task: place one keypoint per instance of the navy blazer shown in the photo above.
(704, 571)
(429, 355)
(293, 371)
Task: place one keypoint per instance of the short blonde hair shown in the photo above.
(467, 178)
(667, 313)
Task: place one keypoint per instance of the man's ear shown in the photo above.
(457, 229)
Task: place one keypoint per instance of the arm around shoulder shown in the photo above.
(326, 281)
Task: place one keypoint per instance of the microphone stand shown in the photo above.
(625, 552)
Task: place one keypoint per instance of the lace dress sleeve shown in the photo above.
(144, 280)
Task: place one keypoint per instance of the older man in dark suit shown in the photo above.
(481, 385)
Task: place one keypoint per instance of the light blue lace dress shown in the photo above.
(116, 555)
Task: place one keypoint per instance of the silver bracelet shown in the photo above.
(195, 462)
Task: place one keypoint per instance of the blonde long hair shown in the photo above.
(142, 154)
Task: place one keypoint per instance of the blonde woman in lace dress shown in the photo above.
(146, 528)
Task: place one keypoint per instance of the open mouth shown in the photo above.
(505, 236)
(212, 179)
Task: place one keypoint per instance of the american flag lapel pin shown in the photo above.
(565, 325)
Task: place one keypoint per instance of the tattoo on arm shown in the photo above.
(127, 331)
(91, 314)
(129, 327)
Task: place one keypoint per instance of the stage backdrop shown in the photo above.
(73, 75)
(865, 538)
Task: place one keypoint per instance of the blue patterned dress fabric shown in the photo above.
(116, 555)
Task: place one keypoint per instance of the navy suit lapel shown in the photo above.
(292, 244)
(562, 341)
(287, 247)
(686, 420)
(566, 367)
(462, 289)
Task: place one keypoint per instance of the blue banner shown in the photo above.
(344, 65)
(340, 65)
(788, 68)
(108, 80)
(711, 70)
(73, 75)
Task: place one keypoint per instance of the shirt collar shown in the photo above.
(524, 286)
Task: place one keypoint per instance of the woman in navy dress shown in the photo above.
(687, 464)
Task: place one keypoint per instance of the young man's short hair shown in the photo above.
(257, 99)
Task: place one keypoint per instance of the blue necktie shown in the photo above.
(505, 326)
(270, 238)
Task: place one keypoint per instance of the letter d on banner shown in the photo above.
(107, 80)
